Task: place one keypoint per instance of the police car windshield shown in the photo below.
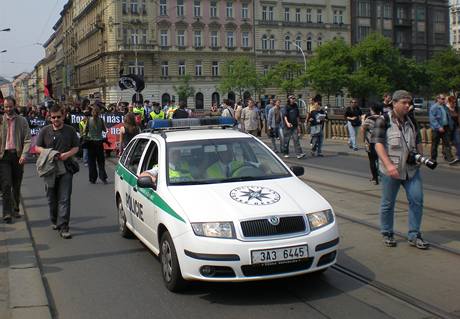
(220, 161)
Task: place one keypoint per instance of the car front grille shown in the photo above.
(263, 228)
(275, 269)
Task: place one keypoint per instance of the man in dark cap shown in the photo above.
(396, 141)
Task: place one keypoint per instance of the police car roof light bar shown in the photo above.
(190, 123)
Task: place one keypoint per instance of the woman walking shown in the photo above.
(367, 129)
(95, 140)
(128, 131)
(273, 124)
(316, 119)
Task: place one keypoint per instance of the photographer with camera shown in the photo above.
(398, 145)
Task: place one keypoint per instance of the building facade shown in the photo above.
(294, 29)
(454, 22)
(418, 28)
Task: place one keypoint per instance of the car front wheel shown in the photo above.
(170, 268)
(122, 228)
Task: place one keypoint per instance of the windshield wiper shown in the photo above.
(191, 183)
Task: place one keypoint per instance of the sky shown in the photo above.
(31, 23)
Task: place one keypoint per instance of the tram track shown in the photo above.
(395, 293)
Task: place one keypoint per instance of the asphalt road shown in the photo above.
(98, 274)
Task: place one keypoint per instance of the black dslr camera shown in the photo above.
(416, 158)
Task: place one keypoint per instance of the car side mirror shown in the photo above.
(298, 170)
(146, 182)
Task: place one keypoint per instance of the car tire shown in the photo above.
(170, 269)
(122, 228)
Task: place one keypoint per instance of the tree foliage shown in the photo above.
(239, 75)
(443, 71)
(329, 69)
(184, 90)
(286, 75)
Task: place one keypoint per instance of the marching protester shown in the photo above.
(291, 125)
(157, 113)
(250, 118)
(398, 168)
(83, 135)
(128, 131)
(181, 112)
(228, 110)
(14, 144)
(353, 116)
(439, 123)
(455, 127)
(95, 140)
(316, 118)
(274, 124)
(57, 143)
(369, 141)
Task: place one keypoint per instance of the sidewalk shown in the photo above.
(22, 293)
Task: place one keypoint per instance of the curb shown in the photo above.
(27, 297)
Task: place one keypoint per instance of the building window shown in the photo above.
(198, 69)
(125, 36)
(308, 17)
(144, 7)
(197, 39)
(134, 37)
(181, 38)
(164, 69)
(272, 42)
(229, 9)
(420, 14)
(215, 68)
(214, 39)
(363, 32)
(230, 39)
(181, 68)
(319, 16)
(244, 10)
(213, 9)
(199, 101)
(144, 37)
(132, 67)
(297, 15)
(164, 38)
(215, 98)
(264, 42)
(387, 11)
(298, 42)
(265, 70)
(287, 43)
(264, 13)
(134, 8)
(197, 8)
(286, 14)
(245, 39)
(163, 8)
(180, 8)
(309, 46)
(124, 6)
(364, 9)
(270, 13)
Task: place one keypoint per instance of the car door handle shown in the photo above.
(121, 177)
(135, 189)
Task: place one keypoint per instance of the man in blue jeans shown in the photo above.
(396, 142)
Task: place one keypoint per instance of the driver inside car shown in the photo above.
(225, 166)
(178, 168)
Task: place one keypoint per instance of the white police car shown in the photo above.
(224, 207)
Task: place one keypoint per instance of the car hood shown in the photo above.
(246, 200)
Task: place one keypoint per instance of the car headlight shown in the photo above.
(216, 229)
(320, 219)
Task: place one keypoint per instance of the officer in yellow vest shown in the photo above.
(157, 113)
(225, 166)
(139, 110)
(178, 169)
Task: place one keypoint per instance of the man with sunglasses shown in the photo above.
(64, 139)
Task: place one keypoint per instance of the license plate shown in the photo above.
(265, 256)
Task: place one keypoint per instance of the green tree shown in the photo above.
(411, 75)
(184, 90)
(376, 67)
(330, 67)
(287, 75)
(239, 75)
(443, 71)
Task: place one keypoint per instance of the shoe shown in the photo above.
(286, 156)
(7, 219)
(302, 155)
(454, 161)
(312, 154)
(418, 242)
(355, 149)
(104, 181)
(350, 146)
(17, 214)
(86, 164)
(320, 155)
(389, 240)
(55, 227)
(375, 182)
(65, 233)
(92, 182)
